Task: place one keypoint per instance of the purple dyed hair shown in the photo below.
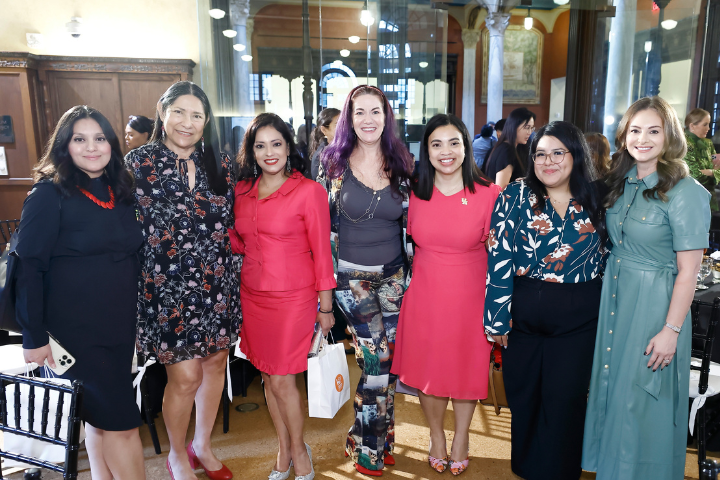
(397, 161)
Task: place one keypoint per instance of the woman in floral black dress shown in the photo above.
(187, 304)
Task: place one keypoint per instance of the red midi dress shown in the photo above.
(441, 347)
(285, 240)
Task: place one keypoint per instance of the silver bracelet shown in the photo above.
(674, 328)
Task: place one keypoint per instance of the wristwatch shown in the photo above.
(674, 328)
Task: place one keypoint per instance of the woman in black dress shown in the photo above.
(188, 297)
(508, 158)
(78, 246)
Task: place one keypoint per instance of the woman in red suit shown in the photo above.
(282, 227)
(449, 219)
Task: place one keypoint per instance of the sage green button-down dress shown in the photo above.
(636, 421)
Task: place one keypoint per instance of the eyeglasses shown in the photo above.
(528, 128)
(554, 157)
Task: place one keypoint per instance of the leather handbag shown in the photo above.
(8, 269)
(496, 386)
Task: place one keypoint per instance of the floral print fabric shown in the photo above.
(188, 292)
(528, 241)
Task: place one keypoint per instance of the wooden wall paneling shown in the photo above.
(139, 95)
(98, 90)
(21, 155)
(11, 103)
(37, 89)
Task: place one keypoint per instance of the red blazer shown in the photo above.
(284, 237)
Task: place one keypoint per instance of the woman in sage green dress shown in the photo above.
(700, 156)
(658, 219)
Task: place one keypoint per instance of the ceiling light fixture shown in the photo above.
(216, 13)
(561, 2)
(366, 17)
(239, 47)
(247, 58)
(344, 52)
(648, 46)
(354, 39)
(528, 21)
(74, 27)
(423, 64)
(230, 33)
(668, 24)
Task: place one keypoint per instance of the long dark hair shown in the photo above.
(671, 166)
(397, 161)
(56, 163)
(209, 156)
(517, 118)
(246, 155)
(583, 185)
(325, 118)
(424, 176)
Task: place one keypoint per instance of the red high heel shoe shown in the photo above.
(388, 459)
(371, 473)
(223, 474)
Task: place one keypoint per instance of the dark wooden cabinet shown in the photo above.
(36, 90)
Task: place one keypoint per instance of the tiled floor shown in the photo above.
(249, 448)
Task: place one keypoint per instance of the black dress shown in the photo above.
(503, 155)
(78, 280)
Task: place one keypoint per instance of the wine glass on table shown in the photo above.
(705, 270)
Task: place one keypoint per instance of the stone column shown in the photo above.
(496, 24)
(470, 39)
(239, 11)
(618, 86)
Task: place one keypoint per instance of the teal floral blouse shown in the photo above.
(528, 241)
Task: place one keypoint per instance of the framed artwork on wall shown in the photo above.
(522, 64)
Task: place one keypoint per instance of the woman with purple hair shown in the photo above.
(365, 171)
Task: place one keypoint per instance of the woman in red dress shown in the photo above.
(282, 227)
(449, 219)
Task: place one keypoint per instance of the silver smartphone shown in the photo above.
(63, 359)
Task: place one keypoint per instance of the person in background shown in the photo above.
(282, 227)
(302, 144)
(508, 158)
(600, 152)
(77, 281)
(322, 135)
(483, 144)
(701, 159)
(188, 297)
(499, 128)
(658, 219)
(543, 297)
(449, 217)
(137, 131)
(365, 171)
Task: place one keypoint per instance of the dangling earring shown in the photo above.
(287, 165)
(163, 131)
(202, 145)
(255, 170)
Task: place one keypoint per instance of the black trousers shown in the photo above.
(546, 370)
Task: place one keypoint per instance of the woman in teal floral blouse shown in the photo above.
(704, 165)
(545, 258)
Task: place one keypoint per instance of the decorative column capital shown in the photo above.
(496, 23)
(470, 37)
(239, 11)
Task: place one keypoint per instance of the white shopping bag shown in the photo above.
(26, 445)
(328, 381)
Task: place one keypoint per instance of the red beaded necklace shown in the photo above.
(109, 205)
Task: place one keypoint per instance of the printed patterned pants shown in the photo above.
(370, 297)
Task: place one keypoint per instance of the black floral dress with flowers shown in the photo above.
(188, 291)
